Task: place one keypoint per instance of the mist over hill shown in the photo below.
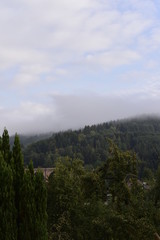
(141, 135)
(29, 139)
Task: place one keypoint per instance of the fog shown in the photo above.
(74, 112)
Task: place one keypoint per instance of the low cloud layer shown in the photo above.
(74, 112)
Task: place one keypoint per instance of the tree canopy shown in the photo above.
(89, 144)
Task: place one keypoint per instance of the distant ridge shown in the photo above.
(89, 144)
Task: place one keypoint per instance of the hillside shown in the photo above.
(29, 139)
(90, 144)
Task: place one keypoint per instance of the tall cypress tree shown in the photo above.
(7, 207)
(18, 173)
(40, 207)
(27, 206)
(22, 196)
(5, 145)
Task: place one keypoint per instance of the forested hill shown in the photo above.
(90, 144)
(29, 139)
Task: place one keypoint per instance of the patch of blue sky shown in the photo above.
(9, 99)
(125, 5)
(155, 54)
(157, 4)
(122, 78)
(9, 73)
(98, 81)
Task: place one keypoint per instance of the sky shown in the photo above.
(65, 64)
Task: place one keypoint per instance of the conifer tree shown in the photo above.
(27, 206)
(5, 145)
(22, 196)
(7, 207)
(18, 172)
(40, 194)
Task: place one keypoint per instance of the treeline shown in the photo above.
(90, 144)
(108, 202)
(22, 195)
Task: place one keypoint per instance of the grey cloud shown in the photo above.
(76, 111)
(73, 112)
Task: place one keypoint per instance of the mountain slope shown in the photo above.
(141, 135)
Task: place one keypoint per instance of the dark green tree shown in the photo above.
(22, 196)
(120, 167)
(28, 205)
(40, 198)
(157, 188)
(65, 200)
(8, 229)
(5, 147)
(18, 173)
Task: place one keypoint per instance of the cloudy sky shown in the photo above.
(69, 63)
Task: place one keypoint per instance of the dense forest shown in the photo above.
(142, 135)
(108, 202)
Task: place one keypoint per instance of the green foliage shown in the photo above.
(22, 196)
(90, 145)
(18, 173)
(78, 207)
(40, 198)
(65, 199)
(27, 208)
(104, 203)
(119, 168)
(157, 187)
(93, 186)
(7, 208)
(5, 146)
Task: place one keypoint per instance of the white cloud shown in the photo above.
(46, 43)
(27, 117)
(29, 74)
(110, 60)
(58, 32)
